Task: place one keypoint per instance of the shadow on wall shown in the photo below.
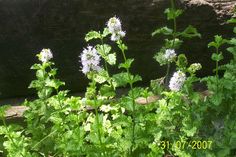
(27, 26)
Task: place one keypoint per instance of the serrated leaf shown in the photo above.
(54, 83)
(36, 66)
(121, 79)
(190, 32)
(92, 35)
(218, 42)
(163, 30)
(105, 32)
(217, 57)
(232, 50)
(101, 77)
(173, 13)
(107, 91)
(232, 41)
(111, 59)
(127, 64)
(103, 50)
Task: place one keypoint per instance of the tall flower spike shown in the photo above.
(114, 27)
(177, 81)
(90, 60)
(45, 55)
(170, 55)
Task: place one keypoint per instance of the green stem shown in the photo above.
(97, 118)
(217, 67)
(43, 139)
(133, 103)
(173, 44)
(106, 66)
(167, 74)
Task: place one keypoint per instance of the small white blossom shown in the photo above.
(195, 67)
(177, 81)
(170, 55)
(90, 60)
(114, 27)
(117, 36)
(45, 55)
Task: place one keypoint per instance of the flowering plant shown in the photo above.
(146, 121)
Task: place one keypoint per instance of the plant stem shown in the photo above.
(217, 67)
(43, 139)
(173, 44)
(167, 74)
(133, 103)
(97, 118)
(106, 66)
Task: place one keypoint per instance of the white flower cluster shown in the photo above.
(114, 27)
(45, 55)
(177, 81)
(90, 60)
(170, 55)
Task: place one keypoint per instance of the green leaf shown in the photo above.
(172, 13)
(36, 84)
(103, 50)
(101, 77)
(233, 20)
(92, 35)
(107, 91)
(3, 110)
(217, 57)
(219, 41)
(190, 32)
(136, 78)
(105, 32)
(173, 44)
(111, 59)
(45, 93)
(127, 64)
(121, 79)
(182, 61)
(163, 30)
(36, 66)
(55, 83)
(40, 74)
(232, 50)
(232, 41)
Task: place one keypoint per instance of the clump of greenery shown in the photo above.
(154, 121)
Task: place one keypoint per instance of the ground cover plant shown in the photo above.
(169, 118)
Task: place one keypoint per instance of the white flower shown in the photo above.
(106, 108)
(177, 81)
(195, 67)
(170, 55)
(45, 55)
(114, 27)
(90, 60)
(117, 36)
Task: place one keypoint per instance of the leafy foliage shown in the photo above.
(146, 121)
